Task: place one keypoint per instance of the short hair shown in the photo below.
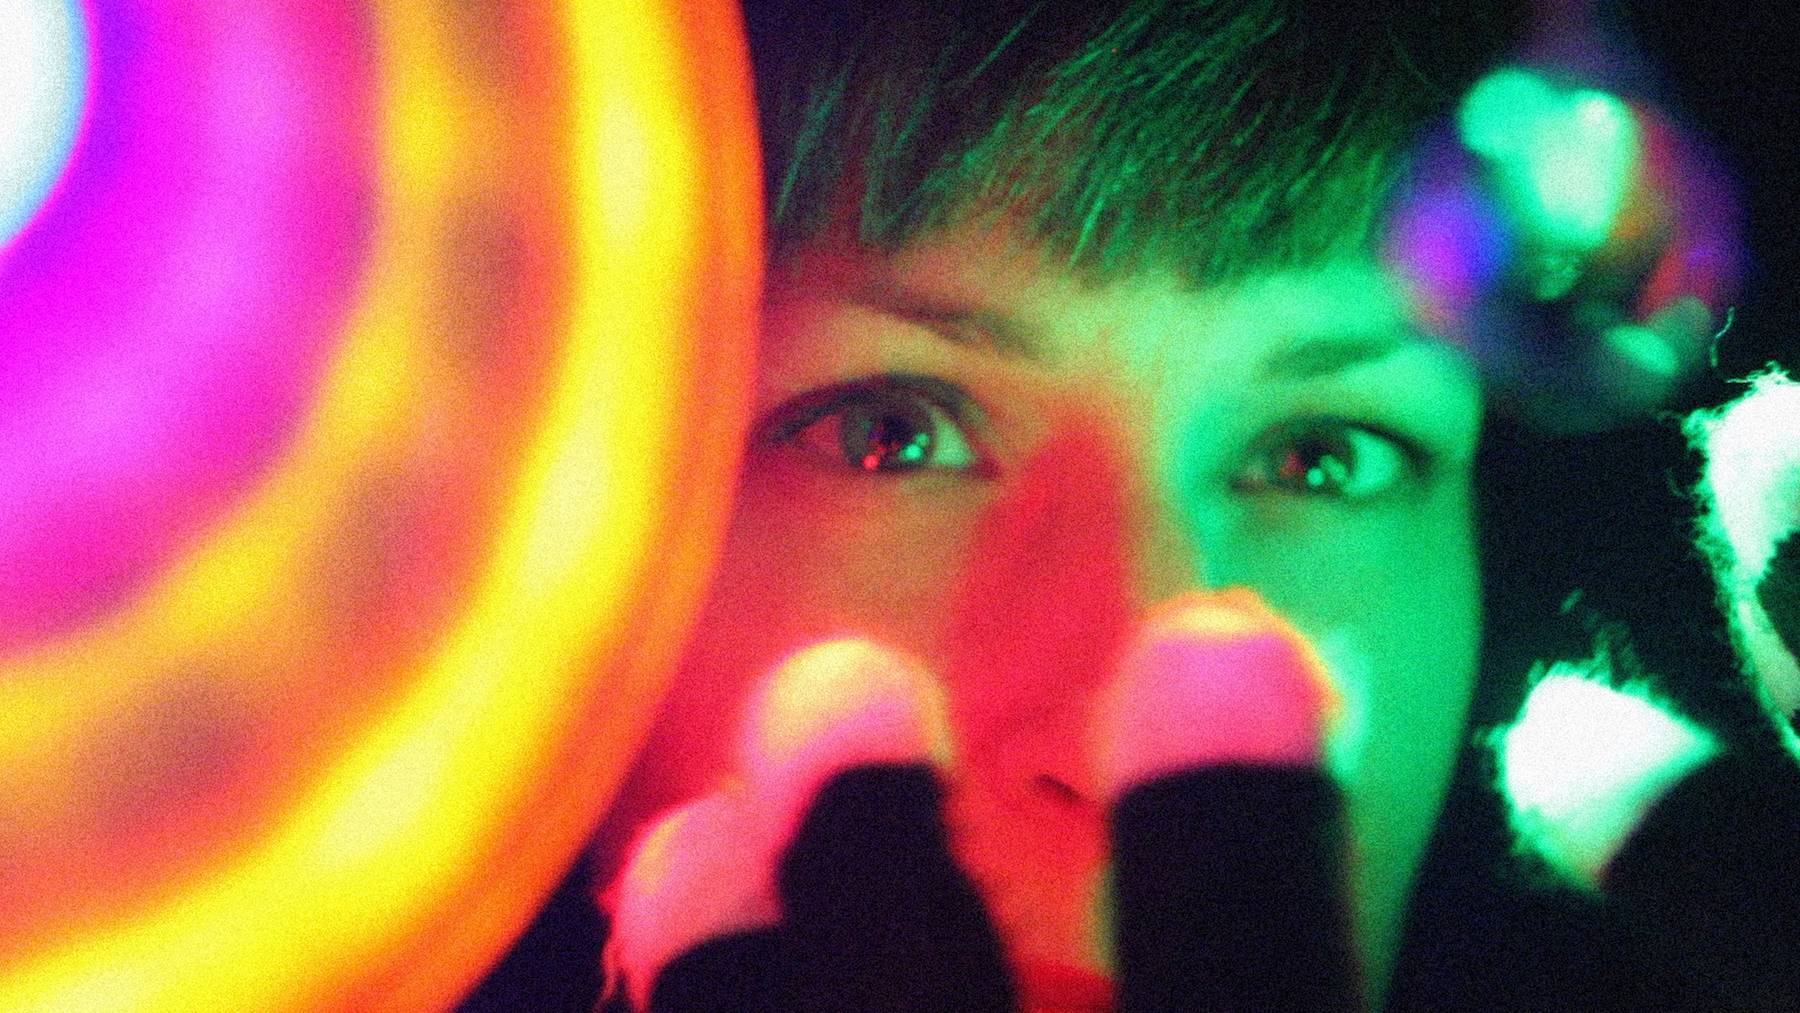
(1210, 138)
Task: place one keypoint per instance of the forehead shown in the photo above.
(984, 290)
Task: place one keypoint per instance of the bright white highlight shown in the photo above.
(1568, 155)
(1750, 494)
(43, 86)
(1752, 478)
(1585, 761)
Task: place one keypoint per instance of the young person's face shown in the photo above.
(966, 453)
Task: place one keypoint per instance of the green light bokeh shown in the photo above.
(1566, 158)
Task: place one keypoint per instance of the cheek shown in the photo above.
(807, 558)
(1409, 670)
(1392, 600)
(813, 555)
(1399, 622)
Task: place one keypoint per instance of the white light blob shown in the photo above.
(1749, 493)
(1585, 760)
(43, 87)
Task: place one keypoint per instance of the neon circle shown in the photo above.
(43, 86)
(364, 449)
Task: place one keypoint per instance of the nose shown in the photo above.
(1066, 563)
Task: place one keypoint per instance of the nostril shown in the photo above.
(1058, 789)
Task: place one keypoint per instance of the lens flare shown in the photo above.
(1573, 240)
(1567, 158)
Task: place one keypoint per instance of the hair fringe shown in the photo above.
(1204, 138)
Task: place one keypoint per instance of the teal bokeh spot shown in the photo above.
(1566, 158)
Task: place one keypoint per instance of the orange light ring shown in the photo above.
(405, 859)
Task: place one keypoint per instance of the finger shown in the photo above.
(1695, 845)
(1230, 893)
(740, 972)
(1714, 871)
(833, 706)
(1584, 762)
(878, 914)
(1227, 837)
(842, 748)
(1750, 491)
(694, 911)
(699, 873)
(1213, 678)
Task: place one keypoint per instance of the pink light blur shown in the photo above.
(165, 314)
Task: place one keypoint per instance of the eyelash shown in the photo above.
(943, 404)
(1274, 453)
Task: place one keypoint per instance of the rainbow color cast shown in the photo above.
(1577, 242)
(370, 372)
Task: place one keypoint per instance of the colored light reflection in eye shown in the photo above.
(1567, 157)
(891, 442)
(43, 86)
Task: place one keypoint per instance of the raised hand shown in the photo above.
(823, 879)
(1693, 841)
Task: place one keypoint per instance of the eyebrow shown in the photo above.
(963, 324)
(955, 322)
(1315, 357)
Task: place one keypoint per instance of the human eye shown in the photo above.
(1330, 459)
(882, 425)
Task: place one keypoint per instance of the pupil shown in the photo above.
(1315, 464)
(886, 437)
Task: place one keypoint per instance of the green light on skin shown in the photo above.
(1566, 157)
(1348, 737)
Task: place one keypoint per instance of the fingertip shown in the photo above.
(1213, 678)
(694, 874)
(834, 706)
(1584, 762)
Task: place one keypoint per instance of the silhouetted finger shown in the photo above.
(1229, 873)
(878, 915)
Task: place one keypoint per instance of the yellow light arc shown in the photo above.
(373, 851)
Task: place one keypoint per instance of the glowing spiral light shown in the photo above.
(369, 382)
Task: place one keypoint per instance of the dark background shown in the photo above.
(1583, 537)
(1590, 539)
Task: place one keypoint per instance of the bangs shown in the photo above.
(1206, 139)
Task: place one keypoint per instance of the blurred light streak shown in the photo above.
(423, 795)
